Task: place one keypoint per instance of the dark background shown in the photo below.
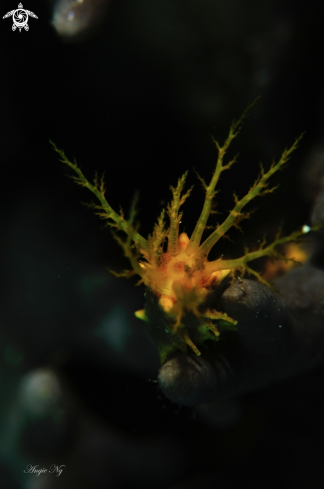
(137, 95)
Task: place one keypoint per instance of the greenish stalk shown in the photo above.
(195, 239)
(259, 188)
(99, 191)
(270, 250)
(174, 216)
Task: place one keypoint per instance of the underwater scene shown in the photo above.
(162, 251)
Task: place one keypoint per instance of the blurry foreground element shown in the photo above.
(39, 392)
(44, 424)
(75, 17)
(51, 432)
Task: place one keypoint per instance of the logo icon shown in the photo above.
(20, 17)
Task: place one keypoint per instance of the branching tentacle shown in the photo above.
(210, 189)
(173, 213)
(99, 191)
(259, 188)
(269, 250)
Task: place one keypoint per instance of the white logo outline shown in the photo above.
(20, 18)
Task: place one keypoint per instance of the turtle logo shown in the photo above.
(20, 18)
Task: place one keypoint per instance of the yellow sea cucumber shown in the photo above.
(174, 267)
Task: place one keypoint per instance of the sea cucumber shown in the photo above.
(175, 269)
